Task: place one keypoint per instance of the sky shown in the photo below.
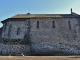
(9, 8)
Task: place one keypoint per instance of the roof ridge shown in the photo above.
(42, 14)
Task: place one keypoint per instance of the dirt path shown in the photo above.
(39, 57)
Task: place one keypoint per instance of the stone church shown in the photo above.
(46, 31)
(42, 27)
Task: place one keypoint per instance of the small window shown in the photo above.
(53, 24)
(69, 25)
(37, 24)
(5, 27)
(18, 31)
(79, 23)
(9, 31)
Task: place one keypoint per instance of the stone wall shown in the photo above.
(15, 26)
(45, 31)
(61, 32)
(54, 49)
(39, 49)
(14, 49)
(13, 30)
(45, 39)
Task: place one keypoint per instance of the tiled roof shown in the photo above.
(72, 15)
(41, 15)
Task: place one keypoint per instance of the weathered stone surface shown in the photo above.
(45, 39)
(54, 49)
(11, 49)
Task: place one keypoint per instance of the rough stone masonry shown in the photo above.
(41, 34)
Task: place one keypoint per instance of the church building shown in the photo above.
(42, 27)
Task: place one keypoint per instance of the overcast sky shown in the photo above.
(9, 8)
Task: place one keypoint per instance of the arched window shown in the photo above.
(9, 31)
(18, 31)
(69, 24)
(5, 27)
(37, 24)
(53, 24)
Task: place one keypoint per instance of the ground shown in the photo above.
(39, 57)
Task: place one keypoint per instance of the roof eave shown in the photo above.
(5, 20)
(36, 17)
